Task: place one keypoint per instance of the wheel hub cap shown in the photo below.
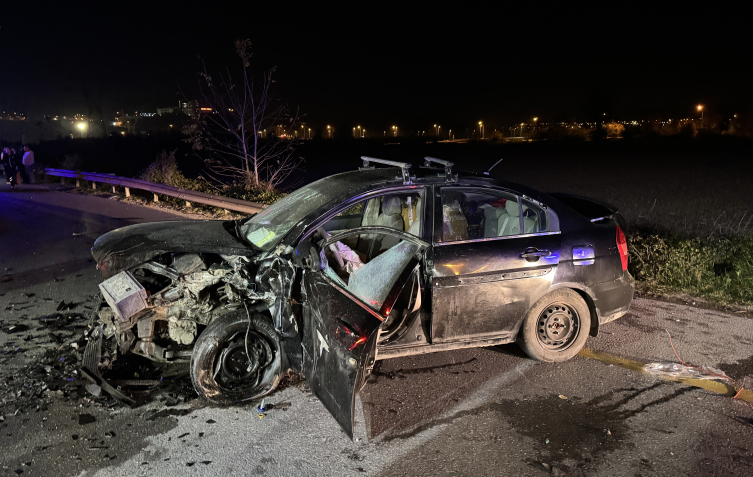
(557, 326)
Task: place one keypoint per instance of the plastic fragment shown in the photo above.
(562, 396)
(677, 370)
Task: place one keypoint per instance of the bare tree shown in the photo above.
(243, 129)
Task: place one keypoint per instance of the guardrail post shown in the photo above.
(128, 191)
(94, 185)
(113, 190)
(78, 183)
(62, 181)
(156, 199)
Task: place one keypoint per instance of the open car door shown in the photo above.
(344, 306)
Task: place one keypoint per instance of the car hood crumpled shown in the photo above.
(128, 246)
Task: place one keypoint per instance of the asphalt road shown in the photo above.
(486, 411)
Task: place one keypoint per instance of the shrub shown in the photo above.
(715, 268)
(164, 170)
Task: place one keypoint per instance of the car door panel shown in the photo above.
(341, 328)
(339, 343)
(482, 288)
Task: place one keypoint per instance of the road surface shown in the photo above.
(488, 411)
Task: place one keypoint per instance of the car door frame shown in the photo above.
(442, 312)
(349, 335)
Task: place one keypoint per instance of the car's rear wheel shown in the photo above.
(235, 360)
(556, 327)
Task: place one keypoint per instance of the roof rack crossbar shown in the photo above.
(447, 167)
(404, 166)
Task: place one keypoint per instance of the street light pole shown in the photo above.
(329, 133)
(481, 128)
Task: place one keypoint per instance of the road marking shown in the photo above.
(713, 386)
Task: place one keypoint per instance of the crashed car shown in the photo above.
(372, 264)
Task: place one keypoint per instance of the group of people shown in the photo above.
(18, 165)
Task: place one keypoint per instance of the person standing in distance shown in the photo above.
(7, 160)
(28, 162)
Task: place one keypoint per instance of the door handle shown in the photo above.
(533, 254)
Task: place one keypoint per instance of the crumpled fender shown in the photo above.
(126, 247)
(276, 275)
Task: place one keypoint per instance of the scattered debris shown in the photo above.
(677, 370)
(86, 419)
(561, 396)
(62, 306)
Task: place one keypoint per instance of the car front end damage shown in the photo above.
(156, 303)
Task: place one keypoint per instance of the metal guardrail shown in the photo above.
(157, 189)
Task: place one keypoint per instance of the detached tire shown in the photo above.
(556, 327)
(221, 371)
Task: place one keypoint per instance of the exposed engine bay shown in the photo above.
(158, 308)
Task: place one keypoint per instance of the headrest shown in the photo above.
(391, 205)
(491, 212)
(512, 208)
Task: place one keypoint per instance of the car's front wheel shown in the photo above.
(556, 327)
(236, 360)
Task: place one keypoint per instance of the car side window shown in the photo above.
(474, 214)
(534, 218)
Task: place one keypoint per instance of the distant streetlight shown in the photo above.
(82, 127)
(394, 131)
(700, 108)
(329, 132)
(435, 130)
(363, 133)
(438, 128)
(354, 133)
(534, 127)
(481, 128)
(309, 133)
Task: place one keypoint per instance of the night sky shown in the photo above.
(383, 64)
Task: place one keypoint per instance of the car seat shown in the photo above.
(415, 227)
(391, 216)
(454, 224)
(493, 217)
(511, 223)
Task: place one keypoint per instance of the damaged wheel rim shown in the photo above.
(241, 361)
(558, 327)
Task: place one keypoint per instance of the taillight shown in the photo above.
(622, 248)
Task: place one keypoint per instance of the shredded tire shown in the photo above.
(224, 332)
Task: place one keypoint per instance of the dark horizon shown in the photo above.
(408, 66)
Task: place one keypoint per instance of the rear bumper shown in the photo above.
(612, 299)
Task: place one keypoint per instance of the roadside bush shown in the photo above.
(715, 268)
(164, 170)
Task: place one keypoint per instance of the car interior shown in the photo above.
(369, 265)
(469, 214)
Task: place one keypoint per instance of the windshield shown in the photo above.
(265, 229)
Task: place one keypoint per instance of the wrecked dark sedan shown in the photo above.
(361, 266)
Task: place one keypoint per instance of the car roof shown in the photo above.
(372, 178)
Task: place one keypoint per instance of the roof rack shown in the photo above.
(404, 166)
(447, 167)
